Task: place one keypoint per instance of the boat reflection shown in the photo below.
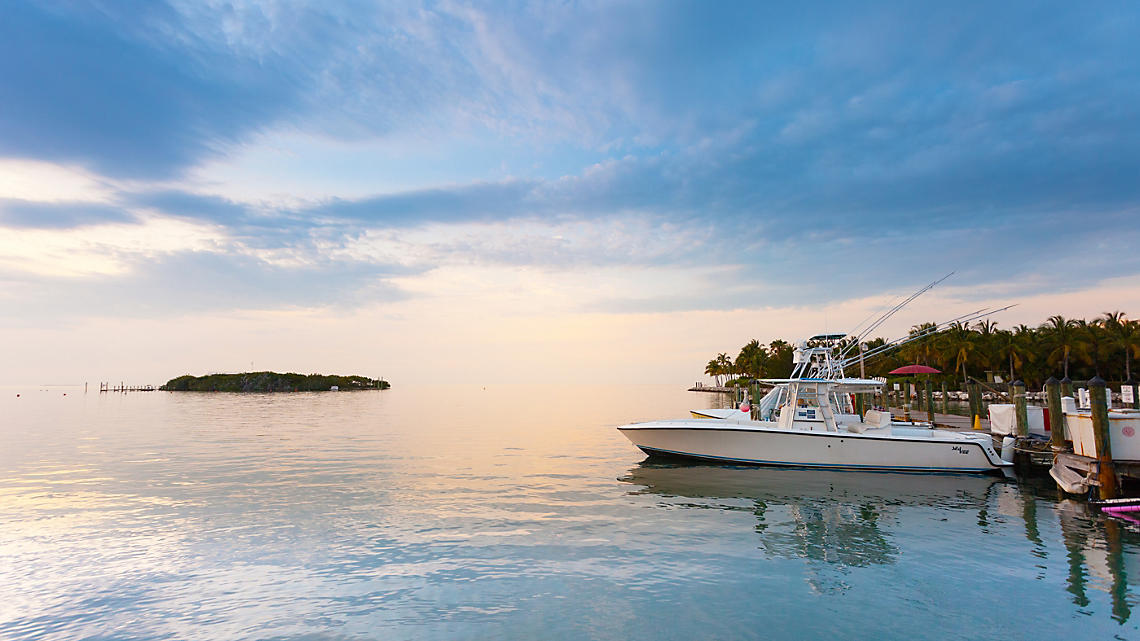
(839, 521)
(1097, 556)
(835, 519)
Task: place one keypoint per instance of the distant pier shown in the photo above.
(124, 387)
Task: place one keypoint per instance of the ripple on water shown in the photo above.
(363, 515)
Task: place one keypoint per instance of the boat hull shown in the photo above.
(837, 450)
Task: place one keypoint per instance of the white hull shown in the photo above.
(936, 451)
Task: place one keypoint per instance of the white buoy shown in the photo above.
(1007, 445)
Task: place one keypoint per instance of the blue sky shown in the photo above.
(187, 164)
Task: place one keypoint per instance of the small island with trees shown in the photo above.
(272, 382)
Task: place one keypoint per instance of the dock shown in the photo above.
(942, 421)
(124, 387)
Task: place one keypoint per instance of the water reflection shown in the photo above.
(1097, 556)
(854, 520)
(842, 519)
(364, 516)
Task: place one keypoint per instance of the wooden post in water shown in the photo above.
(1020, 410)
(945, 399)
(1067, 387)
(930, 400)
(975, 401)
(906, 399)
(1107, 470)
(754, 401)
(1115, 558)
(1056, 418)
(970, 399)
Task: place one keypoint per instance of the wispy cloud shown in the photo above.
(182, 157)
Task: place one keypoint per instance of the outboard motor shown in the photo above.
(1007, 447)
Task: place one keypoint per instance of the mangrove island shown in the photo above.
(272, 382)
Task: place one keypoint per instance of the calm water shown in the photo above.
(507, 513)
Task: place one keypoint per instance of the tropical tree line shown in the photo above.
(1105, 346)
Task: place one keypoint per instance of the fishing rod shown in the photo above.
(891, 312)
(899, 342)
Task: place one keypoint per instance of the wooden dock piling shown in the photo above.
(906, 399)
(930, 400)
(1020, 410)
(1056, 418)
(975, 396)
(1106, 473)
(754, 401)
(945, 398)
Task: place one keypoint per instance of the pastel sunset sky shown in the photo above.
(563, 191)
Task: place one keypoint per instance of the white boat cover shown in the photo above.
(1003, 419)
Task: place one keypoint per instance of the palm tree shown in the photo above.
(920, 350)
(987, 342)
(1016, 347)
(780, 354)
(713, 370)
(1124, 335)
(1062, 339)
(958, 342)
(1095, 340)
(751, 359)
(724, 365)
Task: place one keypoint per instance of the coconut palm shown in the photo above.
(1095, 339)
(920, 350)
(752, 359)
(780, 354)
(713, 369)
(1124, 335)
(1062, 338)
(1015, 347)
(724, 363)
(957, 343)
(987, 340)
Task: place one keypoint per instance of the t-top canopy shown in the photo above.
(827, 337)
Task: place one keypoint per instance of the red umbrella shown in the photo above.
(915, 369)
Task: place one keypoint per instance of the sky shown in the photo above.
(564, 191)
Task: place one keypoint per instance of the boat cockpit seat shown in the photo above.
(875, 418)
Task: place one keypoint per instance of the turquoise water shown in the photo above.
(510, 512)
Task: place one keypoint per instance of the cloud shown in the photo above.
(748, 154)
(32, 180)
(31, 214)
(118, 94)
(106, 249)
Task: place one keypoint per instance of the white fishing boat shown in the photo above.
(809, 420)
(807, 432)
